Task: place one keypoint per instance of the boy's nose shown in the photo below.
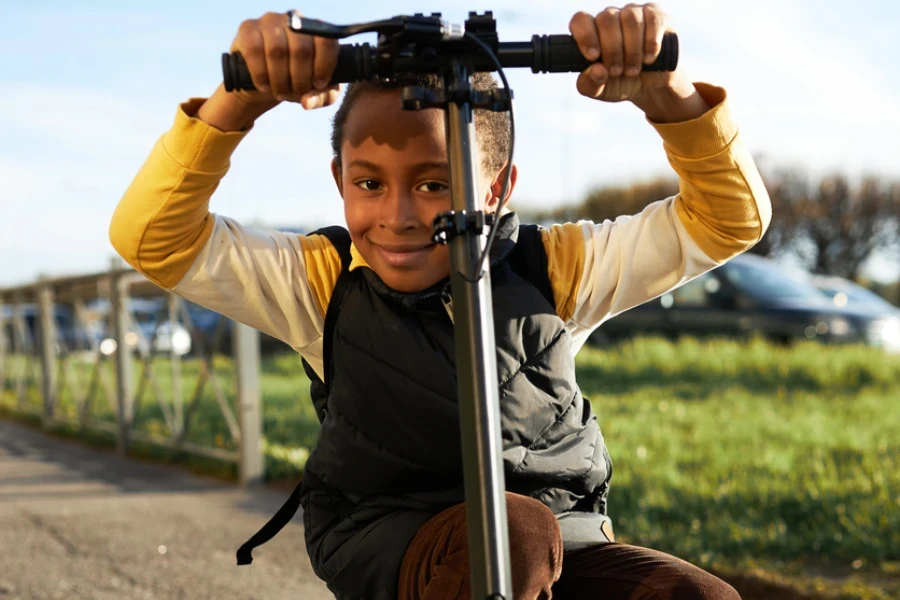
(399, 213)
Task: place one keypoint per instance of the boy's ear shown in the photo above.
(497, 187)
(336, 173)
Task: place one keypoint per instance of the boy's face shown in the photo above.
(395, 179)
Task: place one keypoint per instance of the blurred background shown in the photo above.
(753, 414)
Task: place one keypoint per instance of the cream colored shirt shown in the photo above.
(280, 283)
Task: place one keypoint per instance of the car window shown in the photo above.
(144, 317)
(763, 281)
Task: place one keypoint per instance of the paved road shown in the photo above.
(77, 523)
(81, 524)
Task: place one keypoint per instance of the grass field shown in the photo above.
(773, 463)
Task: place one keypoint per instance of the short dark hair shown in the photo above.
(492, 128)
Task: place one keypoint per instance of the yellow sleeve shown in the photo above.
(565, 246)
(162, 222)
(723, 202)
(598, 270)
(276, 282)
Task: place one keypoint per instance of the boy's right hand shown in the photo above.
(286, 66)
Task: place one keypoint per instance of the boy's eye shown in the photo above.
(432, 186)
(370, 185)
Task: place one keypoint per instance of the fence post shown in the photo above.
(120, 318)
(48, 350)
(22, 344)
(3, 346)
(175, 362)
(251, 468)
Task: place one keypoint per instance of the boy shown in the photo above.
(382, 491)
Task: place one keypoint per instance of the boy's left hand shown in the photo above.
(626, 38)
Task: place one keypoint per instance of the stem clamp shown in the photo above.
(448, 225)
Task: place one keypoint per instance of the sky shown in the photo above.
(87, 87)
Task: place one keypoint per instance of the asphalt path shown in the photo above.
(79, 523)
(83, 524)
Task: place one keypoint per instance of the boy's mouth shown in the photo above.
(403, 255)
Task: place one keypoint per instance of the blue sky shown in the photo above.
(87, 87)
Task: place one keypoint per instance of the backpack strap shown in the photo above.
(270, 529)
(340, 239)
(529, 260)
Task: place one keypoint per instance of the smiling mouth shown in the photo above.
(405, 248)
(404, 256)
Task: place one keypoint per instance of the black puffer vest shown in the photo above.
(388, 455)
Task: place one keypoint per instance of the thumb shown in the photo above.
(319, 98)
(592, 80)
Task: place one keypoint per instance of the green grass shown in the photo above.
(750, 459)
(741, 457)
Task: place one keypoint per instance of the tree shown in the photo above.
(828, 224)
(784, 187)
(609, 202)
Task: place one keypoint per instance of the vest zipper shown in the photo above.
(447, 301)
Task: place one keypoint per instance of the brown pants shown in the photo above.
(436, 565)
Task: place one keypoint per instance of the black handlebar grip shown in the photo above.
(549, 54)
(355, 62)
(235, 74)
(560, 54)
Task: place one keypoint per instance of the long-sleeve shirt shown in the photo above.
(280, 283)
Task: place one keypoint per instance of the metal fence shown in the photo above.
(79, 338)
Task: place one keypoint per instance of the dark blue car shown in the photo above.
(751, 295)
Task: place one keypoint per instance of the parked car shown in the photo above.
(750, 295)
(204, 323)
(845, 293)
(151, 331)
(70, 335)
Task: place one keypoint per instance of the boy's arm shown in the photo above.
(600, 270)
(275, 282)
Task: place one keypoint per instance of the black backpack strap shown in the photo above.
(268, 531)
(340, 239)
(529, 260)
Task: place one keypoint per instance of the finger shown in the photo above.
(592, 80)
(584, 33)
(302, 55)
(326, 60)
(654, 30)
(632, 20)
(320, 98)
(610, 32)
(249, 42)
(277, 55)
